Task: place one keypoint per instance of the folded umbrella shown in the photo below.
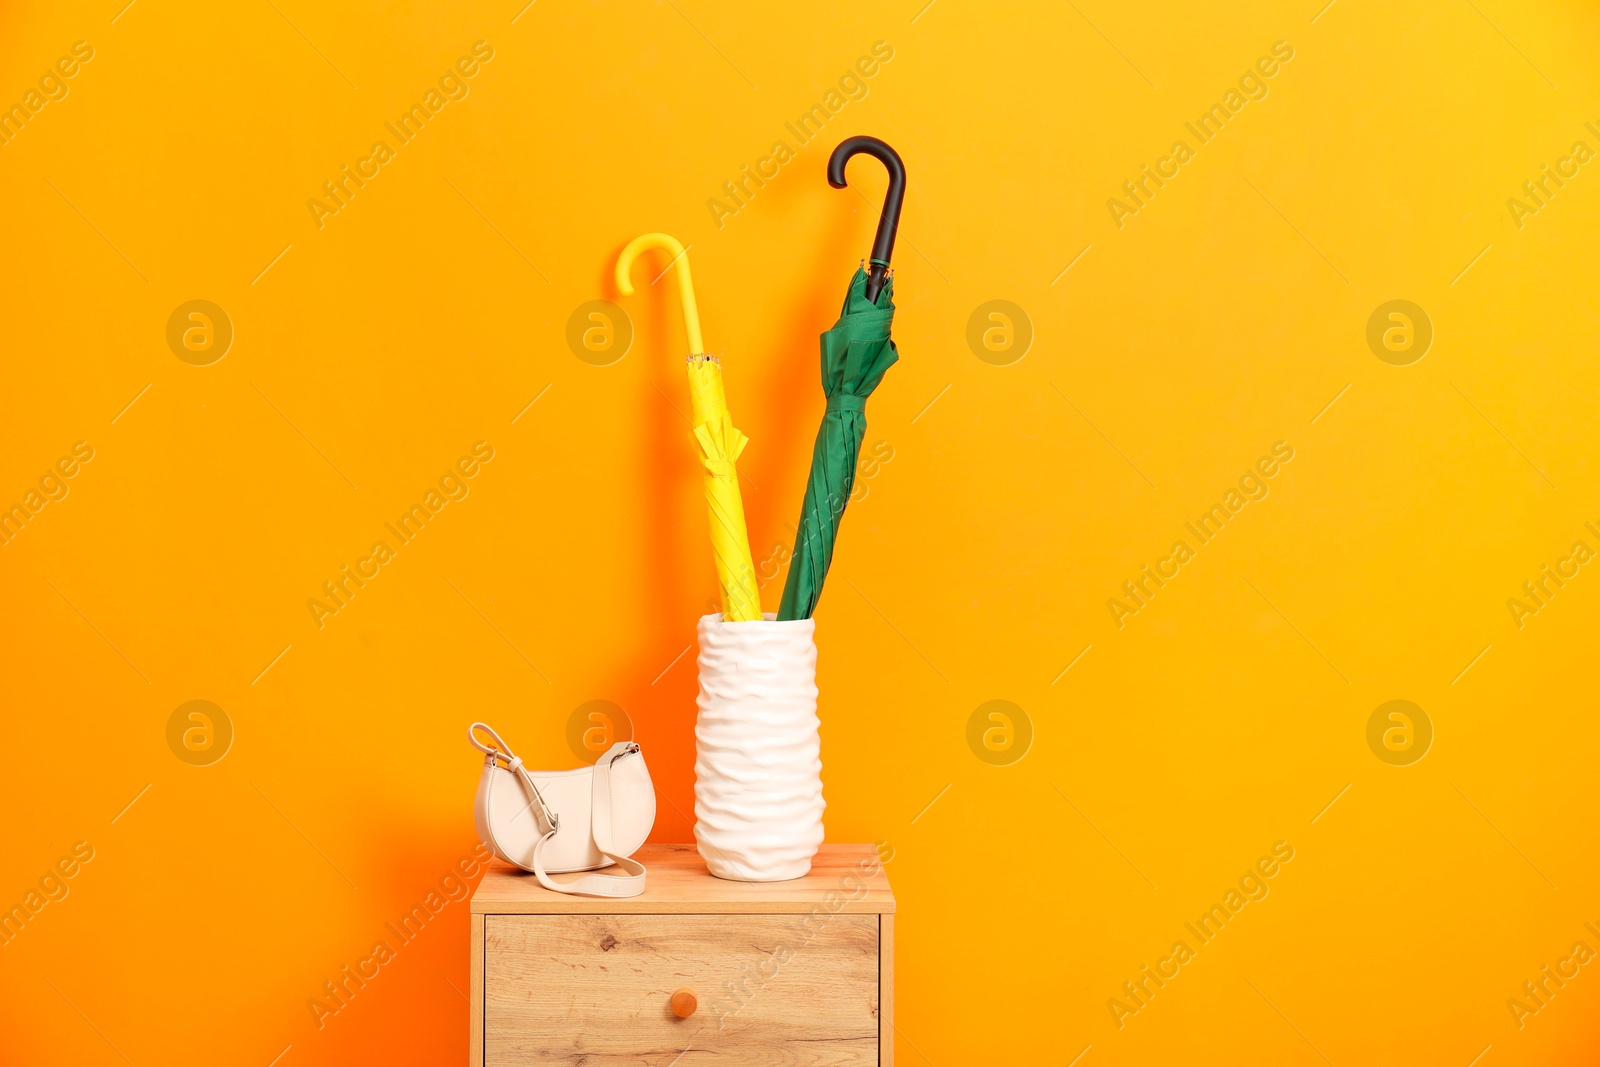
(718, 441)
(855, 355)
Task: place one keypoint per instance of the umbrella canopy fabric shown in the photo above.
(720, 444)
(855, 355)
(716, 438)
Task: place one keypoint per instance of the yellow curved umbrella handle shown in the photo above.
(680, 259)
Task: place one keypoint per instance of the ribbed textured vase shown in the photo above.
(758, 763)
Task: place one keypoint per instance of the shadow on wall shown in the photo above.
(792, 408)
(677, 567)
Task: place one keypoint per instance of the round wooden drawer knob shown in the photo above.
(684, 1003)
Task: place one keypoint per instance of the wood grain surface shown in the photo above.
(844, 876)
(596, 990)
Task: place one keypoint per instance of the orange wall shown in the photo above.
(1185, 341)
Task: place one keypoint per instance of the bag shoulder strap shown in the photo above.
(499, 750)
(598, 884)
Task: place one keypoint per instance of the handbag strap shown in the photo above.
(597, 884)
(502, 751)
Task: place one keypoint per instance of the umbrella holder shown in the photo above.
(758, 764)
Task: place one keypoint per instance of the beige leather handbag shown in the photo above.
(556, 822)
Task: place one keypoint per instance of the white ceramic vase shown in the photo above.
(758, 756)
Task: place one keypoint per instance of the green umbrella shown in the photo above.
(855, 355)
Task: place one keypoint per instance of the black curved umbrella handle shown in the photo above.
(889, 221)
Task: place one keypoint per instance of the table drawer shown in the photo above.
(597, 990)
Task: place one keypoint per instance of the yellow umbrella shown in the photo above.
(720, 443)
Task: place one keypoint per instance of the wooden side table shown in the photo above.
(798, 972)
